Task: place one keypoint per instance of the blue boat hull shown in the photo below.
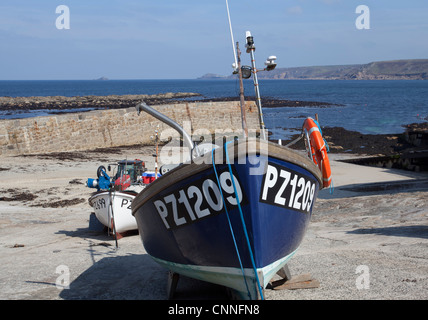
(234, 233)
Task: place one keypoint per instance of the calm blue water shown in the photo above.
(369, 106)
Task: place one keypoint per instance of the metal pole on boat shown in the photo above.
(250, 49)
(231, 35)
(237, 69)
(241, 94)
(157, 151)
(114, 222)
(144, 107)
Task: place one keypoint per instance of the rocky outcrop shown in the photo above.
(93, 102)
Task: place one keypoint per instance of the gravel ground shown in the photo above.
(360, 244)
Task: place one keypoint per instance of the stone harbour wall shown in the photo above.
(118, 127)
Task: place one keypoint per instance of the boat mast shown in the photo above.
(241, 93)
(157, 152)
(237, 69)
(231, 34)
(250, 49)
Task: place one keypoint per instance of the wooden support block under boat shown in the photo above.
(302, 281)
(284, 273)
(172, 284)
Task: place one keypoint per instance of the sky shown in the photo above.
(172, 39)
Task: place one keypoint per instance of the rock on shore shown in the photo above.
(96, 102)
(340, 140)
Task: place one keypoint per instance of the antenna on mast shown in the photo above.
(235, 65)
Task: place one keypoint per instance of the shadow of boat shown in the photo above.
(415, 231)
(375, 188)
(135, 277)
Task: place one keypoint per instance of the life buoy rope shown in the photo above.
(317, 149)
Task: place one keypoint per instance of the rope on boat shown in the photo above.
(242, 220)
(325, 142)
(230, 224)
(294, 141)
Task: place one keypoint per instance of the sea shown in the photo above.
(369, 107)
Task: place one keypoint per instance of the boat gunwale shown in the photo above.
(120, 193)
(190, 168)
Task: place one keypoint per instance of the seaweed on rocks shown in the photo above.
(59, 103)
(341, 140)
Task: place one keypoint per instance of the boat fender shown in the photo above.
(317, 149)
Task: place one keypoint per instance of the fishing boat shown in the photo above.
(113, 198)
(113, 210)
(235, 213)
(235, 223)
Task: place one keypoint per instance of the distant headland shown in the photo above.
(416, 69)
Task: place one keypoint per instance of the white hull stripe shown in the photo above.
(227, 276)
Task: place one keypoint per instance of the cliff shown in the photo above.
(382, 70)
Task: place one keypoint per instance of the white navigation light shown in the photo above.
(270, 63)
(235, 68)
(250, 42)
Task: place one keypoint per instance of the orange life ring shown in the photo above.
(317, 149)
